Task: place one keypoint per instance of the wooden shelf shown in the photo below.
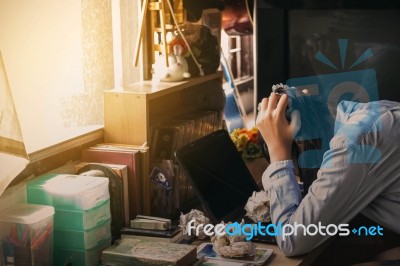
(130, 113)
(154, 90)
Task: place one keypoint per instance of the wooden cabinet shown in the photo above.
(129, 113)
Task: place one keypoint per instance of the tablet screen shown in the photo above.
(218, 174)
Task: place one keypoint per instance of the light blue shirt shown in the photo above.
(360, 173)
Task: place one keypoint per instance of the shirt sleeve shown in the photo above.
(341, 191)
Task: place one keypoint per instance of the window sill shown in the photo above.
(72, 142)
(55, 156)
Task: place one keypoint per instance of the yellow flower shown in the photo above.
(241, 137)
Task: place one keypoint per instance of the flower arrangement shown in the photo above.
(246, 142)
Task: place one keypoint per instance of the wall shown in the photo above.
(58, 57)
(13, 196)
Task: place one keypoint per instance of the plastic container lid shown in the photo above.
(73, 184)
(25, 213)
(68, 192)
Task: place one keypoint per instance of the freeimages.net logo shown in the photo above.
(281, 230)
(325, 92)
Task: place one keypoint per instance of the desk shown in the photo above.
(278, 259)
(257, 167)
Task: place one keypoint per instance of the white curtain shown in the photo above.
(13, 156)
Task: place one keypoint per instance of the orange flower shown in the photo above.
(252, 136)
(242, 131)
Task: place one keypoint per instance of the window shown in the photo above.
(59, 57)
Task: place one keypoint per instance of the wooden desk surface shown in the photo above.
(278, 259)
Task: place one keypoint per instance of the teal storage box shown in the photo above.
(82, 239)
(68, 192)
(80, 257)
(81, 220)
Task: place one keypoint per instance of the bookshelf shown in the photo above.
(130, 113)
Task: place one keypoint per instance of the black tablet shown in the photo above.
(219, 176)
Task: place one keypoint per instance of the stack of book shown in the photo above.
(172, 235)
(134, 188)
(142, 253)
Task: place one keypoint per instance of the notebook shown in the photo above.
(220, 178)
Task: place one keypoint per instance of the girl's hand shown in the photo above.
(277, 132)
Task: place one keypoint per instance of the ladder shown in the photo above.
(156, 10)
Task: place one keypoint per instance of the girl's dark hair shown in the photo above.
(317, 126)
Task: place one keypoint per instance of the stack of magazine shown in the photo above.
(167, 137)
(172, 235)
(138, 252)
